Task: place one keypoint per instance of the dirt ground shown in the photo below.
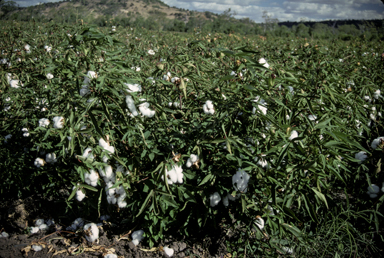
(16, 216)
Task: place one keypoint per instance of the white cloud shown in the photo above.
(25, 3)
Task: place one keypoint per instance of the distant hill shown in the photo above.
(89, 10)
(336, 23)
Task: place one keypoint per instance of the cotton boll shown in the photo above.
(168, 251)
(287, 250)
(26, 133)
(80, 195)
(50, 158)
(4, 235)
(7, 137)
(34, 230)
(37, 248)
(208, 108)
(133, 87)
(122, 204)
(49, 76)
(39, 162)
(105, 217)
(226, 201)
(87, 154)
(376, 142)
(111, 199)
(294, 135)
(240, 181)
(58, 122)
(362, 156)
(43, 227)
(91, 232)
(189, 163)
(44, 122)
(137, 236)
(145, 111)
(131, 105)
(151, 52)
(110, 191)
(110, 256)
(260, 222)
(377, 94)
(373, 190)
(263, 62)
(39, 222)
(214, 199)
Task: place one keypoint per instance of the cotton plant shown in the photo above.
(208, 108)
(137, 236)
(91, 232)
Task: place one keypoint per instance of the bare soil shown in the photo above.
(16, 216)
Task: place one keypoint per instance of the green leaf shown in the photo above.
(321, 196)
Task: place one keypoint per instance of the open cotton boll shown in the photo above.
(376, 142)
(145, 111)
(377, 94)
(48, 48)
(260, 107)
(225, 201)
(362, 156)
(37, 248)
(259, 222)
(39, 162)
(91, 232)
(49, 76)
(7, 137)
(167, 77)
(105, 217)
(25, 132)
(34, 230)
(43, 227)
(191, 160)
(77, 223)
(87, 154)
(240, 181)
(107, 174)
(136, 68)
(208, 108)
(168, 251)
(4, 235)
(50, 158)
(43, 122)
(110, 191)
(373, 190)
(58, 122)
(287, 250)
(214, 199)
(131, 105)
(39, 222)
(79, 194)
(294, 135)
(133, 87)
(151, 52)
(110, 256)
(137, 236)
(263, 62)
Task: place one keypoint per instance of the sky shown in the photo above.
(283, 10)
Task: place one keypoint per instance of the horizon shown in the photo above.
(283, 10)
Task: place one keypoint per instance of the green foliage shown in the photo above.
(309, 190)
